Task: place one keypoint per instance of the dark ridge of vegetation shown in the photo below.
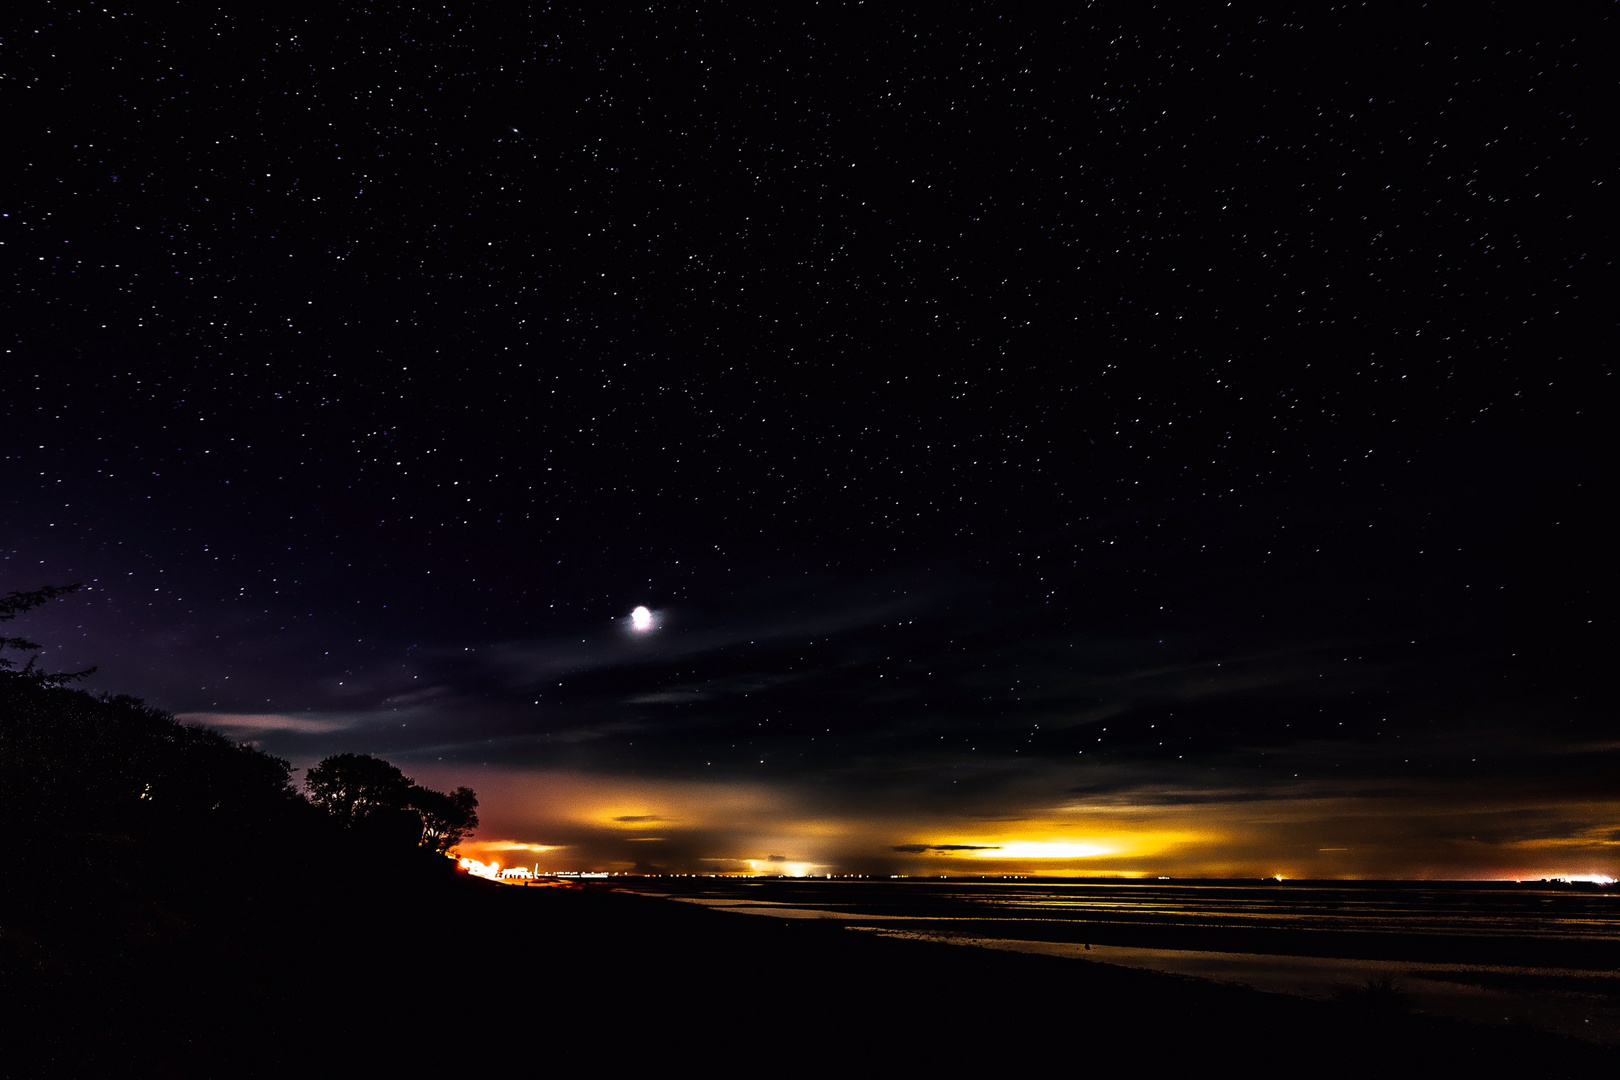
(73, 763)
(162, 885)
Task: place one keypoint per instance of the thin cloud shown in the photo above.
(922, 849)
(714, 688)
(260, 723)
(512, 845)
(527, 662)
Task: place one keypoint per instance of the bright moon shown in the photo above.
(641, 620)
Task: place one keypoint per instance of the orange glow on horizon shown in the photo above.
(492, 871)
(1044, 849)
(572, 821)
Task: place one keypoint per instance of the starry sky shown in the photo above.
(1121, 441)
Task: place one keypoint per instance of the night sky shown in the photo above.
(1135, 442)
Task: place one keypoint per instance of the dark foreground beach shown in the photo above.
(1542, 955)
(378, 976)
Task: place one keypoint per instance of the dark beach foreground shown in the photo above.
(413, 973)
(1541, 955)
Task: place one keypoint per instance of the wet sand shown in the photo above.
(1563, 1001)
(1581, 1003)
(378, 978)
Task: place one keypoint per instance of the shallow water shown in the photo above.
(1537, 957)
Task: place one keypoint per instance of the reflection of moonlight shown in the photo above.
(641, 620)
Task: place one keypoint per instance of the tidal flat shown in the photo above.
(1541, 956)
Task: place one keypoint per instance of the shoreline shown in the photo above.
(1440, 977)
(1580, 1004)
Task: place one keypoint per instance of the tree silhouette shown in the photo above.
(14, 604)
(446, 819)
(368, 794)
(76, 763)
(355, 787)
